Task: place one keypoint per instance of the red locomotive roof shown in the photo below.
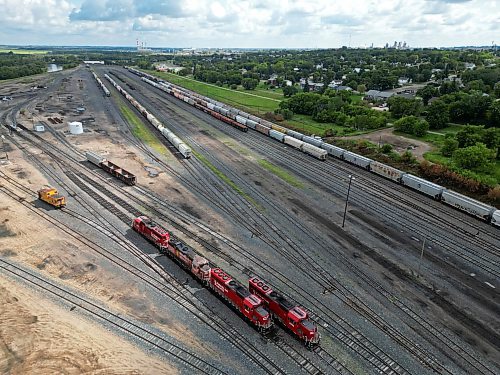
(294, 311)
(152, 225)
(220, 275)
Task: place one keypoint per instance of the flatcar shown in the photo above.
(111, 168)
(288, 313)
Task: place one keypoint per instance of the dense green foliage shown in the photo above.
(14, 66)
(400, 106)
(412, 125)
(335, 107)
(20, 65)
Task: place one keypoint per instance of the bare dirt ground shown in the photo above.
(69, 345)
(400, 143)
(38, 336)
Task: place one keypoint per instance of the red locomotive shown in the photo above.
(152, 231)
(239, 296)
(189, 260)
(249, 305)
(292, 316)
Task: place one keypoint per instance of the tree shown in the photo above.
(449, 146)
(427, 92)
(306, 86)
(469, 136)
(420, 129)
(400, 106)
(494, 114)
(473, 157)
(406, 124)
(289, 91)
(438, 114)
(249, 83)
(361, 88)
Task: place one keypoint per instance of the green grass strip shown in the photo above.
(141, 131)
(281, 173)
(224, 178)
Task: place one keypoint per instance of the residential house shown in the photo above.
(273, 80)
(378, 95)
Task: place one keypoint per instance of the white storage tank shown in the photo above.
(39, 127)
(75, 127)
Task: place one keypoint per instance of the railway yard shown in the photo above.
(408, 286)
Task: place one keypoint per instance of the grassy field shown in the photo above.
(24, 51)
(258, 102)
(247, 101)
(224, 178)
(281, 173)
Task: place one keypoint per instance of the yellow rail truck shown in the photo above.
(51, 196)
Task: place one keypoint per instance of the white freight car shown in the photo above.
(469, 205)
(358, 160)
(424, 186)
(317, 152)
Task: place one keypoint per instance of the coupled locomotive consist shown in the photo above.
(319, 149)
(247, 304)
(288, 313)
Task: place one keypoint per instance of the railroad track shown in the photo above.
(414, 316)
(166, 346)
(167, 285)
(374, 360)
(106, 204)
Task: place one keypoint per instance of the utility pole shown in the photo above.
(347, 199)
(421, 256)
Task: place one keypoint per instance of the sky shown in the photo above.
(250, 23)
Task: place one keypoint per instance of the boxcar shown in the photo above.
(469, 205)
(262, 129)
(254, 118)
(386, 171)
(281, 129)
(424, 186)
(358, 160)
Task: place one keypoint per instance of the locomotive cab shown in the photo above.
(152, 231)
(252, 306)
(299, 323)
(201, 268)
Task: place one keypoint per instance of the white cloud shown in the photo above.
(249, 23)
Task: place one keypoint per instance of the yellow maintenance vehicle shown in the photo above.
(51, 197)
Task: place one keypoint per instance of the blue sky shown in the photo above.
(250, 23)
